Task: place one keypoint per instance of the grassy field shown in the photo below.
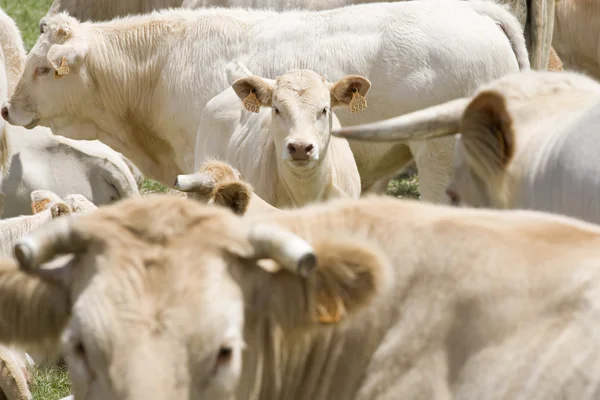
(52, 383)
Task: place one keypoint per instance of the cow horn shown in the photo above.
(53, 238)
(197, 182)
(428, 123)
(289, 250)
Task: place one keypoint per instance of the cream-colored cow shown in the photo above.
(528, 140)
(170, 299)
(283, 147)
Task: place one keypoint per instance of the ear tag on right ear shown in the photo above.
(251, 103)
(63, 69)
(358, 102)
(39, 206)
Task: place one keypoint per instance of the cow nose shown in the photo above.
(5, 112)
(300, 150)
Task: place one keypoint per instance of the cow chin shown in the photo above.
(27, 120)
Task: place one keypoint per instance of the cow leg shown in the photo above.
(434, 166)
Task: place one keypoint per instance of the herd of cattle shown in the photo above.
(275, 268)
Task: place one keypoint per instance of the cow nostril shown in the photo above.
(309, 148)
(291, 148)
(5, 112)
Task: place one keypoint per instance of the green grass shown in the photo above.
(52, 382)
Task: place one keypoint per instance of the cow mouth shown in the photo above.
(32, 124)
(305, 163)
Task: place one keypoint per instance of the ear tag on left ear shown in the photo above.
(63, 69)
(251, 103)
(358, 102)
(39, 206)
(329, 309)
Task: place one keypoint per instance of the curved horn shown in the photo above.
(428, 123)
(54, 237)
(197, 182)
(288, 249)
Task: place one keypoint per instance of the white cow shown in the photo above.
(535, 16)
(138, 83)
(40, 160)
(528, 140)
(46, 206)
(576, 35)
(285, 150)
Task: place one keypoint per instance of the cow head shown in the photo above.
(53, 77)
(301, 102)
(153, 298)
(494, 124)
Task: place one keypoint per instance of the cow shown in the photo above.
(528, 140)
(219, 184)
(576, 35)
(45, 206)
(166, 298)
(537, 17)
(106, 80)
(40, 160)
(283, 146)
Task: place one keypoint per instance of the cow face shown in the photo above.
(301, 102)
(150, 303)
(53, 77)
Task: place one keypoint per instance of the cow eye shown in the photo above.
(276, 110)
(41, 71)
(324, 112)
(225, 355)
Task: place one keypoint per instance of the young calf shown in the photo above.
(284, 150)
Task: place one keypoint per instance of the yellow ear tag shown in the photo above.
(358, 102)
(251, 103)
(39, 206)
(63, 69)
(329, 310)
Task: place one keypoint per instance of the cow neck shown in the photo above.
(127, 97)
(298, 187)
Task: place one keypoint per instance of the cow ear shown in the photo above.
(60, 210)
(42, 200)
(234, 195)
(349, 88)
(66, 58)
(487, 133)
(254, 86)
(347, 277)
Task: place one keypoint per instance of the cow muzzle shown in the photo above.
(300, 153)
(18, 118)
